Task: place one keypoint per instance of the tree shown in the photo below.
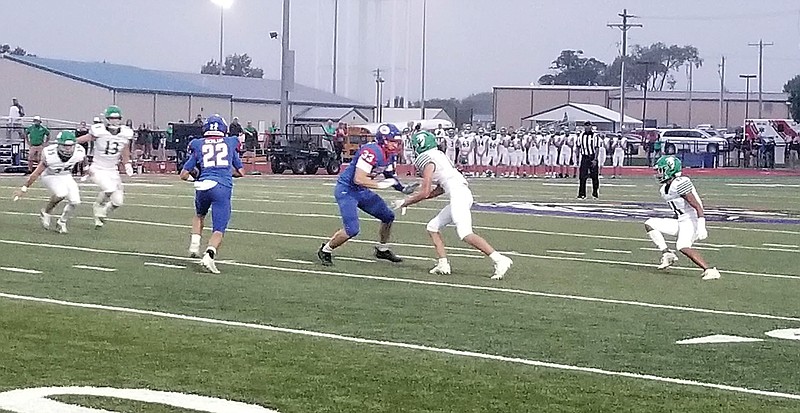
(662, 61)
(17, 51)
(792, 87)
(571, 68)
(235, 65)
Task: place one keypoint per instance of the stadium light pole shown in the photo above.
(223, 4)
(747, 95)
(424, 35)
(287, 68)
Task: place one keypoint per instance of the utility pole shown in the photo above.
(624, 27)
(760, 46)
(335, 40)
(721, 93)
(287, 68)
(691, 86)
(378, 95)
(647, 78)
(424, 36)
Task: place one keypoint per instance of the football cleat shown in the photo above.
(711, 274)
(441, 269)
(325, 258)
(501, 268)
(208, 263)
(667, 259)
(194, 251)
(46, 219)
(62, 227)
(387, 255)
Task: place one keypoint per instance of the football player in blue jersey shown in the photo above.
(218, 162)
(354, 191)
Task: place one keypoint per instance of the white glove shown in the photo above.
(702, 232)
(128, 169)
(386, 183)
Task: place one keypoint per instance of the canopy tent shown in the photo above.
(578, 113)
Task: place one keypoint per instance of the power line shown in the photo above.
(749, 16)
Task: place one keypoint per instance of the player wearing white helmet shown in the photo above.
(112, 147)
(466, 151)
(618, 145)
(564, 156)
(602, 152)
(689, 224)
(55, 169)
(516, 154)
(576, 152)
(481, 157)
(408, 150)
(492, 153)
(439, 177)
(450, 141)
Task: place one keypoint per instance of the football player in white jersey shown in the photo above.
(112, 146)
(56, 172)
(689, 224)
(516, 153)
(440, 177)
(450, 143)
(564, 156)
(576, 152)
(481, 158)
(408, 150)
(466, 151)
(551, 158)
(492, 153)
(618, 145)
(503, 150)
(602, 152)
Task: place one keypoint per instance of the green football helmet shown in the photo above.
(423, 141)
(66, 144)
(667, 167)
(113, 115)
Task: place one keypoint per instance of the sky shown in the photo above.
(471, 45)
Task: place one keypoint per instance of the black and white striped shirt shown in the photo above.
(589, 144)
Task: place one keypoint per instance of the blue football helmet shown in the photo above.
(215, 125)
(387, 132)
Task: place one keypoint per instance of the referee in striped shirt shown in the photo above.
(588, 168)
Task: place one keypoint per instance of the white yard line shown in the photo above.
(158, 264)
(408, 346)
(423, 282)
(20, 270)
(466, 256)
(356, 259)
(294, 261)
(613, 251)
(566, 252)
(411, 257)
(780, 245)
(89, 267)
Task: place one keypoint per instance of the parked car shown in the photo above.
(692, 140)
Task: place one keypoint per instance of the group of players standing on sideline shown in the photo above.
(518, 154)
(214, 162)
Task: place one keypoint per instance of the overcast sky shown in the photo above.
(472, 44)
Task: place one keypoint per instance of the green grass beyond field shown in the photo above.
(582, 322)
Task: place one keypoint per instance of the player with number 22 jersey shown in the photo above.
(216, 157)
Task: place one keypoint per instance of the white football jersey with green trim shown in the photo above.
(445, 173)
(108, 147)
(57, 166)
(673, 194)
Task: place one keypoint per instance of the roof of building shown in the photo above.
(324, 114)
(580, 112)
(124, 78)
(560, 87)
(703, 95)
(390, 115)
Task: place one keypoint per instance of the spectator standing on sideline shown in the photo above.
(235, 128)
(794, 152)
(198, 121)
(36, 136)
(657, 149)
(15, 112)
(250, 137)
(588, 168)
(142, 136)
(341, 136)
(329, 128)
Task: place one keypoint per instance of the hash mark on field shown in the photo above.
(356, 259)
(705, 248)
(294, 261)
(408, 346)
(158, 264)
(411, 257)
(649, 249)
(613, 251)
(566, 252)
(89, 267)
(21, 270)
(780, 245)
